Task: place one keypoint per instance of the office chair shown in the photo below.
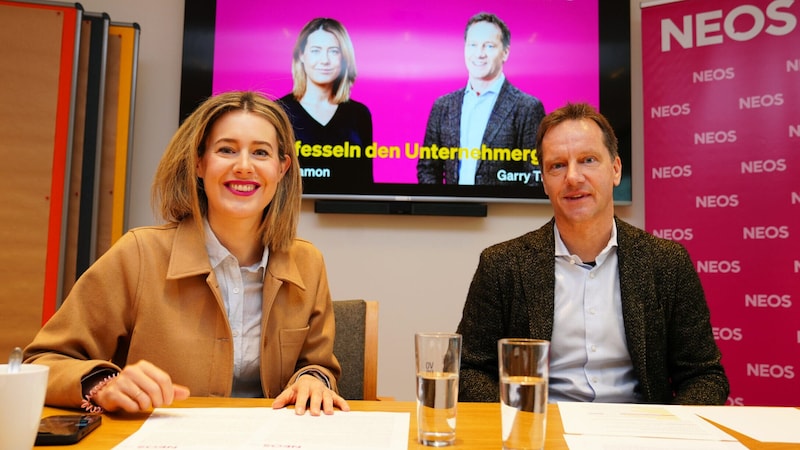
(356, 348)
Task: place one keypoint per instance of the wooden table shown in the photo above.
(478, 424)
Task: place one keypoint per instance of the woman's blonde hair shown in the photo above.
(347, 76)
(177, 193)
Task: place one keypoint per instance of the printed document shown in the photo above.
(587, 442)
(267, 428)
(637, 420)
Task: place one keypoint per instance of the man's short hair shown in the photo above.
(491, 18)
(579, 111)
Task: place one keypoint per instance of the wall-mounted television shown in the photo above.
(406, 55)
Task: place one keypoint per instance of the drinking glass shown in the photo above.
(438, 358)
(524, 368)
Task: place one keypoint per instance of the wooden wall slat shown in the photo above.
(129, 48)
(38, 57)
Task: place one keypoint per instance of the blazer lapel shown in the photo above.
(189, 256)
(281, 268)
(453, 120)
(636, 287)
(539, 281)
(502, 108)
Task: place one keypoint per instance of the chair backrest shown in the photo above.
(356, 348)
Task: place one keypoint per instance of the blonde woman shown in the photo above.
(222, 300)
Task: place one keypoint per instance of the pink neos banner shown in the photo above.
(722, 174)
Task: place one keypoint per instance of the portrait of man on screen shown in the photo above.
(484, 133)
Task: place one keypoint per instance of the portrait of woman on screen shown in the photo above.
(332, 130)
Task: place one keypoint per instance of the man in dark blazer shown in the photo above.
(489, 112)
(646, 337)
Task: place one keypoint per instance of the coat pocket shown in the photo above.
(292, 341)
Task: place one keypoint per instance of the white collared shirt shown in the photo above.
(241, 289)
(589, 359)
(476, 110)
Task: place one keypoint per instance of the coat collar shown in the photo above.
(189, 257)
(283, 266)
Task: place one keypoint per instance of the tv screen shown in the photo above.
(388, 63)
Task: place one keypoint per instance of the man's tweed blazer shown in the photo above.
(513, 124)
(667, 326)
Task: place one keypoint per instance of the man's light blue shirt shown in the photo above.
(589, 359)
(241, 289)
(476, 110)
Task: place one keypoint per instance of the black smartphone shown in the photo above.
(66, 429)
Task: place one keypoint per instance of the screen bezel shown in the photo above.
(614, 99)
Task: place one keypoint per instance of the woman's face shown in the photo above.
(240, 168)
(322, 58)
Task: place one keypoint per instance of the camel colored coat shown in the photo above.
(154, 296)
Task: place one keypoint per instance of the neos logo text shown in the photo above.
(683, 109)
(710, 28)
(766, 232)
(718, 74)
(764, 166)
(716, 201)
(684, 171)
(675, 234)
(768, 301)
(735, 401)
(727, 334)
(715, 137)
(718, 267)
(770, 371)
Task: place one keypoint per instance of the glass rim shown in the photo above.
(522, 341)
(437, 334)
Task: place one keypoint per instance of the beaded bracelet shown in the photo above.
(88, 401)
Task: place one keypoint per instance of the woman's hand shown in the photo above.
(139, 387)
(310, 391)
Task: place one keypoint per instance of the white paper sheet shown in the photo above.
(266, 428)
(591, 442)
(637, 420)
(762, 423)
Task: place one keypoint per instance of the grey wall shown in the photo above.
(419, 268)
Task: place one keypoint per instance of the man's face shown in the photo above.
(578, 172)
(484, 52)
